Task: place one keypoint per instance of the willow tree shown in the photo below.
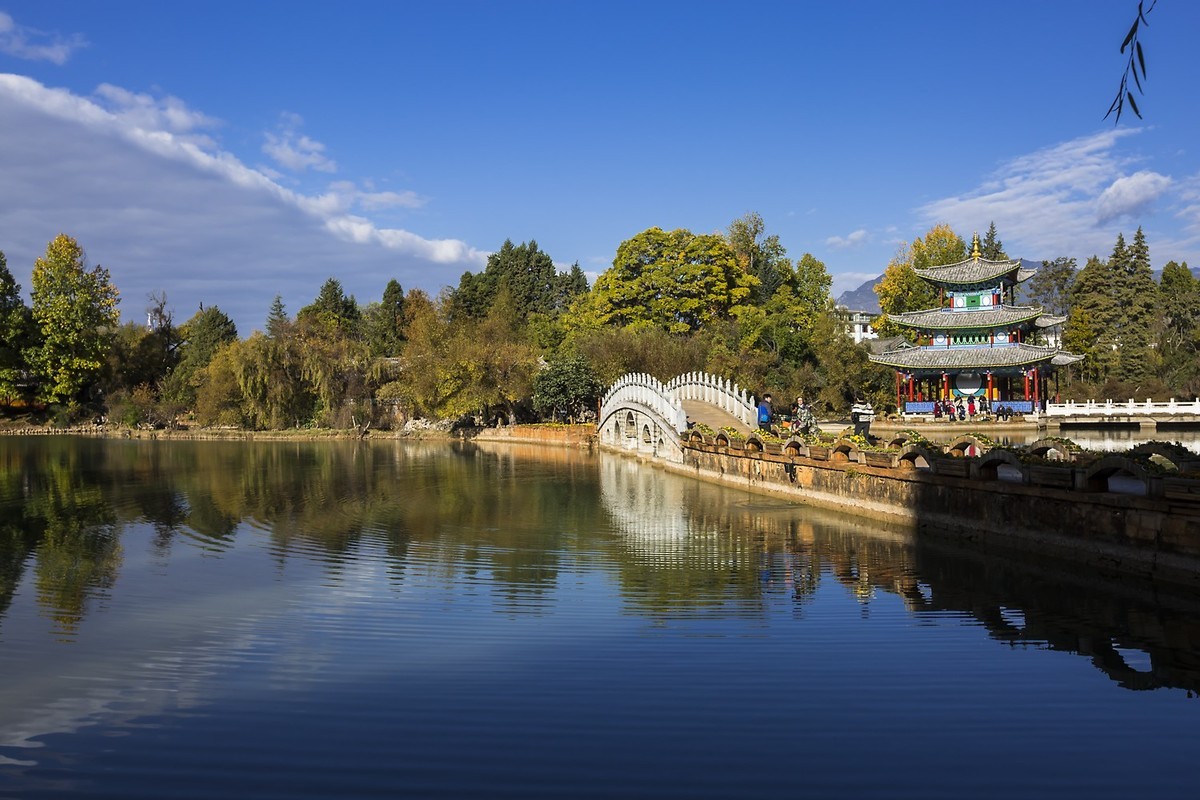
(75, 311)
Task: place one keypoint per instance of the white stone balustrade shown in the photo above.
(1111, 408)
(716, 391)
(648, 392)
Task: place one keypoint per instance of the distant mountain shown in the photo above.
(863, 298)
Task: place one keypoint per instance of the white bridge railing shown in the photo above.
(716, 391)
(1110, 408)
(647, 391)
(666, 400)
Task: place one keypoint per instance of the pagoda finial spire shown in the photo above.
(975, 246)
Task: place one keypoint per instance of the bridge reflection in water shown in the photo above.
(687, 551)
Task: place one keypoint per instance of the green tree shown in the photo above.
(1050, 287)
(1179, 335)
(75, 310)
(218, 396)
(759, 255)
(566, 387)
(278, 321)
(570, 285)
(16, 330)
(677, 281)
(429, 379)
(144, 355)
(202, 335)
(1136, 294)
(991, 247)
(524, 271)
(332, 309)
(1079, 337)
(1090, 330)
(494, 358)
(383, 322)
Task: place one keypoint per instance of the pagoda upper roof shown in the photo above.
(975, 270)
(934, 319)
(966, 358)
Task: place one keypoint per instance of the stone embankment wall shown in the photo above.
(582, 436)
(1156, 535)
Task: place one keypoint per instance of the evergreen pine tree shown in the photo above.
(16, 327)
(277, 319)
(991, 248)
(1136, 295)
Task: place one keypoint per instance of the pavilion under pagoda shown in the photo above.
(978, 343)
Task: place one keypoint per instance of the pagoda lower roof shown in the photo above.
(936, 319)
(968, 357)
(975, 271)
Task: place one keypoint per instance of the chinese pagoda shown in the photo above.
(978, 343)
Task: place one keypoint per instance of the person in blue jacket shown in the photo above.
(765, 412)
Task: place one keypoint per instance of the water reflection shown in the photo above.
(696, 546)
(1104, 439)
(517, 525)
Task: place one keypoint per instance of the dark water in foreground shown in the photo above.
(226, 619)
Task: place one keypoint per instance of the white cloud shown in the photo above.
(146, 112)
(30, 44)
(1129, 196)
(295, 151)
(851, 240)
(164, 208)
(1059, 200)
(372, 201)
(1189, 211)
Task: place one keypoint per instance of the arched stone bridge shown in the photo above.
(642, 414)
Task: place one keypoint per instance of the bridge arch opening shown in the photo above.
(1000, 465)
(1117, 475)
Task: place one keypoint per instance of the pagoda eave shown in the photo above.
(938, 319)
(1000, 359)
(975, 272)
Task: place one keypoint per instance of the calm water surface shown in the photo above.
(387, 619)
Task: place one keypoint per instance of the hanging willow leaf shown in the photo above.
(1135, 63)
(1132, 33)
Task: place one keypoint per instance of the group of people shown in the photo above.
(799, 418)
(963, 409)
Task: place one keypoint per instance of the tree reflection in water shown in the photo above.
(507, 518)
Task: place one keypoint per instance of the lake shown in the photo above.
(398, 619)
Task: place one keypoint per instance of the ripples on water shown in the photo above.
(338, 620)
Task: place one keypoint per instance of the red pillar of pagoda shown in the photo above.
(911, 388)
(899, 404)
(989, 393)
(1026, 373)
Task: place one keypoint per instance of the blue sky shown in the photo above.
(226, 152)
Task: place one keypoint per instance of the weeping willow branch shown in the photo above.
(1135, 65)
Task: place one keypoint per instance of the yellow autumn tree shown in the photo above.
(75, 310)
(902, 289)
